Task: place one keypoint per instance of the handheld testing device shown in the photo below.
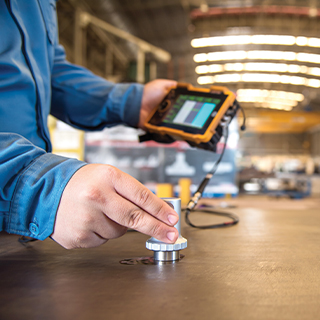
(195, 115)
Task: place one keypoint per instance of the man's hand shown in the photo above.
(153, 94)
(100, 202)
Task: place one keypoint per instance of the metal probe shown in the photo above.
(165, 251)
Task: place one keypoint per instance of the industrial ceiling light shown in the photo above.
(272, 66)
(273, 99)
(257, 55)
(308, 57)
(266, 94)
(272, 55)
(258, 66)
(255, 39)
(259, 77)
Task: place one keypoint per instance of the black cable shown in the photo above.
(233, 217)
(243, 126)
(198, 194)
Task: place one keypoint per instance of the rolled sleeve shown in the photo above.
(37, 195)
(31, 191)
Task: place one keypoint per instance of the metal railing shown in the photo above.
(102, 29)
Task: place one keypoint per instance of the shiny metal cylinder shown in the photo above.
(175, 203)
(165, 252)
(166, 255)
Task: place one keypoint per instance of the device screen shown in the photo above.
(193, 111)
(188, 112)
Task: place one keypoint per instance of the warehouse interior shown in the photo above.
(264, 51)
(259, 258)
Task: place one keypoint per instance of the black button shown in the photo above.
(163, 105)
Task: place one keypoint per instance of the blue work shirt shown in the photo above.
(35, 80)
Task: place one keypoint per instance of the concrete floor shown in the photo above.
(266, 267)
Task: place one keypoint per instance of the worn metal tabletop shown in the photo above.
(266, 267)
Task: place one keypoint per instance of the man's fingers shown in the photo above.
(106, 228)
(131, 189)
(134, 217)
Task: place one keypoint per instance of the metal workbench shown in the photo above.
(266, 267)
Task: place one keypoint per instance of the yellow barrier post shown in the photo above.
(184, 184)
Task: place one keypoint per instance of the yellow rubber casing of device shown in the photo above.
(197, 138)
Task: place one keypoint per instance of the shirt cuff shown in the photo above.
(37, 195)
(126, 100)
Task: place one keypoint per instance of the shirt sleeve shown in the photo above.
(89, 102)
(31, 185)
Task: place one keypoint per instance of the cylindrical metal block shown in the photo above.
(166, 255)
(165, 251)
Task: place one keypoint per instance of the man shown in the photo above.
(41, 194)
